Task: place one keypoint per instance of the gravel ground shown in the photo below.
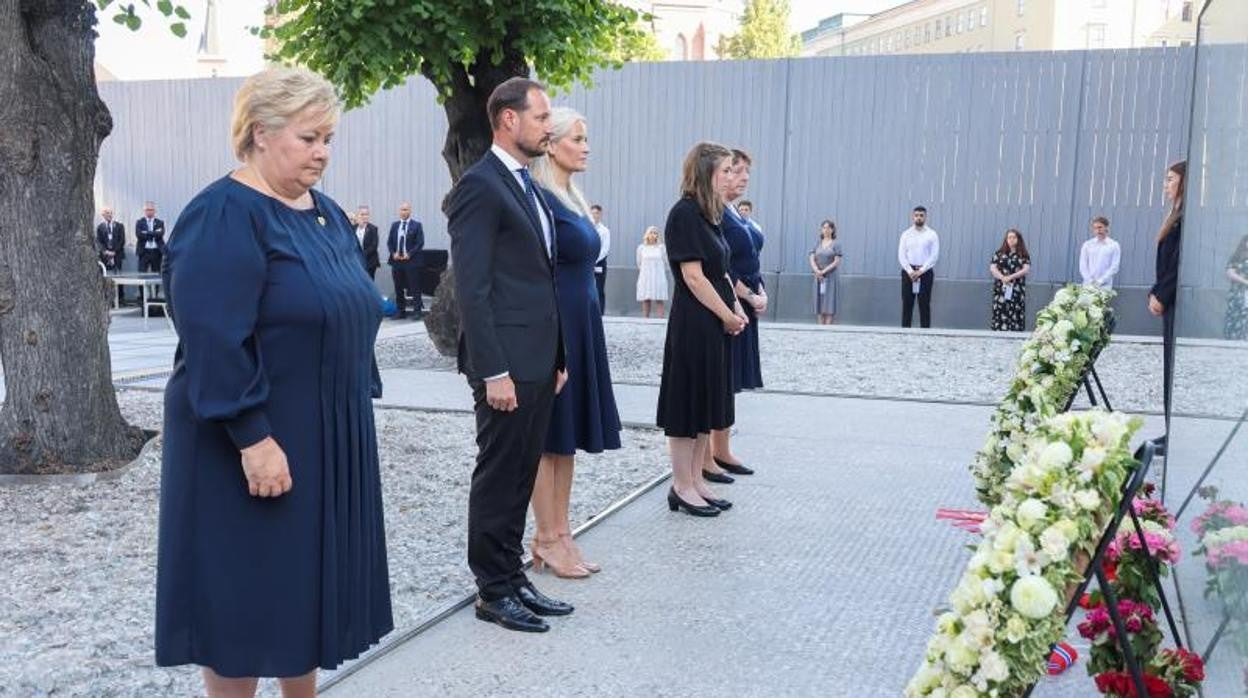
(77, 564)
(912, 366)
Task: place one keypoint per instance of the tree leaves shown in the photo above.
(380, 43)
(764, 33)
(127, 15)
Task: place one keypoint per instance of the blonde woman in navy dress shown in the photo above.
(584, 416)
(272, 555)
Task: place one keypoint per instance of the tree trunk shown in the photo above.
(60, 412)
(468, 136)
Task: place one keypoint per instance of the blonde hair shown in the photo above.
(562, 119)
(271, 98)
(698, 178)
(650, 229)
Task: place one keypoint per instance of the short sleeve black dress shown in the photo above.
(695, 395)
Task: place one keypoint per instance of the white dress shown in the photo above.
(652, 277)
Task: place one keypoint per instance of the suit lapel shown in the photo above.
(509, 180)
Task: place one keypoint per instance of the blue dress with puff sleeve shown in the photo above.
(276, 321)
(584, 415)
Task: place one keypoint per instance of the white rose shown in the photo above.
(1108, 430)
(1096, 314)
(1031, 513)
(1016, 629)
(964, 692)
(1088, 500)
(993, 666)
(1033, 597)
(1054, 543)
(961, 657)
(1056, 455)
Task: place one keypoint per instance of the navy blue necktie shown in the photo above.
(530, 193)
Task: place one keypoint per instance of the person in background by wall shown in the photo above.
(406, 240)
(368, 239)
(746, 208)
(1009, 267)
(917, 253)
(110, 242)
(600, 266)
(1237, 296)
(1099, 256)
(825, 261)
(651, 273)
(1165, 290)
(149, 235)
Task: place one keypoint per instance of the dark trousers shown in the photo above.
(509, 445)
(600, 280)
(925, 299)
(406, 284)
(149, 260)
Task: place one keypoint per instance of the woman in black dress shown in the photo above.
(695, 393)
(1165, 290)
(1010, 266)
(276, 567)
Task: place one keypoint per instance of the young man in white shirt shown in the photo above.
(1099, 256)
(600, 265)
(917, 252)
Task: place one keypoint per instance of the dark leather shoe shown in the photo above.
(674, 503)
(511, 614)
(721, 478)
(540, 603)
(734, 468)
(721, 504)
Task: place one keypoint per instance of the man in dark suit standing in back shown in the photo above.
(366, 236)
(110, 240)
(510, 346)
(405, 242)
(149, 236)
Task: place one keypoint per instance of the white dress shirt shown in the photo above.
(918, 248)
(359, 235)
(151, 226)
(604, 234)
(1098, 261)
(515, 168)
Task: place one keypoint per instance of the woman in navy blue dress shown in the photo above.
(745, 242)
(272, 558)
(584, 416)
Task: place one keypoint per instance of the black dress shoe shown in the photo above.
(721, 478)
(540, 603)
(511, 614)
(721, 504)
(734, 468)
(674, 502)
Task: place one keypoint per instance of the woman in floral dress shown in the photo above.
(1010, 266)
(1237, 297)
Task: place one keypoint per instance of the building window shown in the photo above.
(1020, 40)
(1164, 43)
(927, 32)
(1187, 11)
(1185, 43)
(1022, 7)
(983, 16)
(681, 49)
(1096, 36)
(938, 28)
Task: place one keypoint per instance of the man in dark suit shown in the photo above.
(510, 346)
(110, 240)
(405, 242)
(149, 237)
(366, 236)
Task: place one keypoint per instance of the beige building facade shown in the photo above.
(959, 26)
(690, 29)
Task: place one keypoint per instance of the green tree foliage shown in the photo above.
(638, 46)
(764, 33)
(127, 14)
(363, 46)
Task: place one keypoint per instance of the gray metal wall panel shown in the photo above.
(1038, 141)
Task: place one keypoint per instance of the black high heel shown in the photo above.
(734, 468)
(674, 502)
(721, 504)
(721, 478)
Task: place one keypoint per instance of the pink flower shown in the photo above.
(1235, 551)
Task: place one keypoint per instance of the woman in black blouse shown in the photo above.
(1164, 293)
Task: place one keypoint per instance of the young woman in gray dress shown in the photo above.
(825, 262)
